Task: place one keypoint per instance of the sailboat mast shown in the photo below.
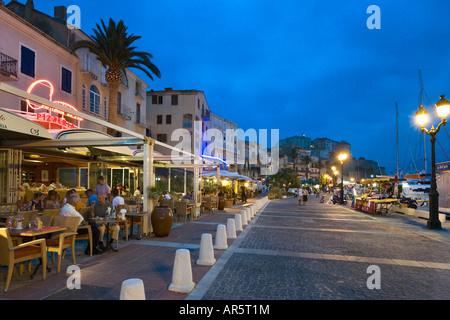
(396, 113)
(424, 138)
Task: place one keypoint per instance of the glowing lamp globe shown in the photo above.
(443, 107)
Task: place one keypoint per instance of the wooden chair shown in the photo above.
(10, 255)
(169, 203)
(85, 212)
(51, 212)
(182, 209)
(29, 195)
(64, 240)
(46, 220)
(207, 205)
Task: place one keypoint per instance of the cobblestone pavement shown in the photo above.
(321, 251)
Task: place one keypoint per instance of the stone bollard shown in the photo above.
(182, 272)
(231, 229)
(247, 213)
(221, 238)
(206, 257)
(243, 218)
(238, 222)
(132, 289)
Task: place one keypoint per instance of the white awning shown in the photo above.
(15, 127)
(86, 134)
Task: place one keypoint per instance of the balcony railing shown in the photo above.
(8, 65)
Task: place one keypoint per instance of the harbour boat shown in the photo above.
(416, 189)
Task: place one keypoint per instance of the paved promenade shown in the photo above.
(321, 251)
(287, 252)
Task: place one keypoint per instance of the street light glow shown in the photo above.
(342, 157)
(422, 116)
(443, 107)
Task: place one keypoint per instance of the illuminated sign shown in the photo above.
(46, 117)
(49, 85)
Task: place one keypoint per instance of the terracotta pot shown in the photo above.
(162, 219)
(221, 205)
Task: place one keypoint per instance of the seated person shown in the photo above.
(79, 204)
(37, 203)
(26, 186)
(188, 196)
(100, 209)
(51, 201)
(138, 192)
(69, 211)
(92, 200)
(118, 200)
(166, 196)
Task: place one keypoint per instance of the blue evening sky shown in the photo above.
(303, 67)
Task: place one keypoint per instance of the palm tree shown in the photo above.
(113, 47)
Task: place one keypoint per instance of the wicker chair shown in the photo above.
(64, 240)
(182, 209)
(10, 255)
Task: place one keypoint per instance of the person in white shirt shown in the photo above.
(138, 192)
(118, 200)
(69, 211)
(166, 196)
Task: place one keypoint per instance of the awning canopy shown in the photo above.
(228, 175)
(15, 127)
(90, 136)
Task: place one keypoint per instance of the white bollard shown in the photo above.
(182, 272)
(252, 211)
(221, 238)
(132, 289)
(243, 218)
(248, 212)
(231, 229)
(238, 222)
(206, 257)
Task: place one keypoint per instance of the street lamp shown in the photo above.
(442, 110)
(342, 157)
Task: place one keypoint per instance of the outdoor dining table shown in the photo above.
(132, 215)
(106, 221)
(31, 233)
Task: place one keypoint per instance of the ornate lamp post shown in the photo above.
(442, 108)
(342, 157)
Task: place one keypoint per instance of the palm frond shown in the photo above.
(114, 48)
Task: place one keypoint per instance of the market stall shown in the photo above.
(378, 195)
